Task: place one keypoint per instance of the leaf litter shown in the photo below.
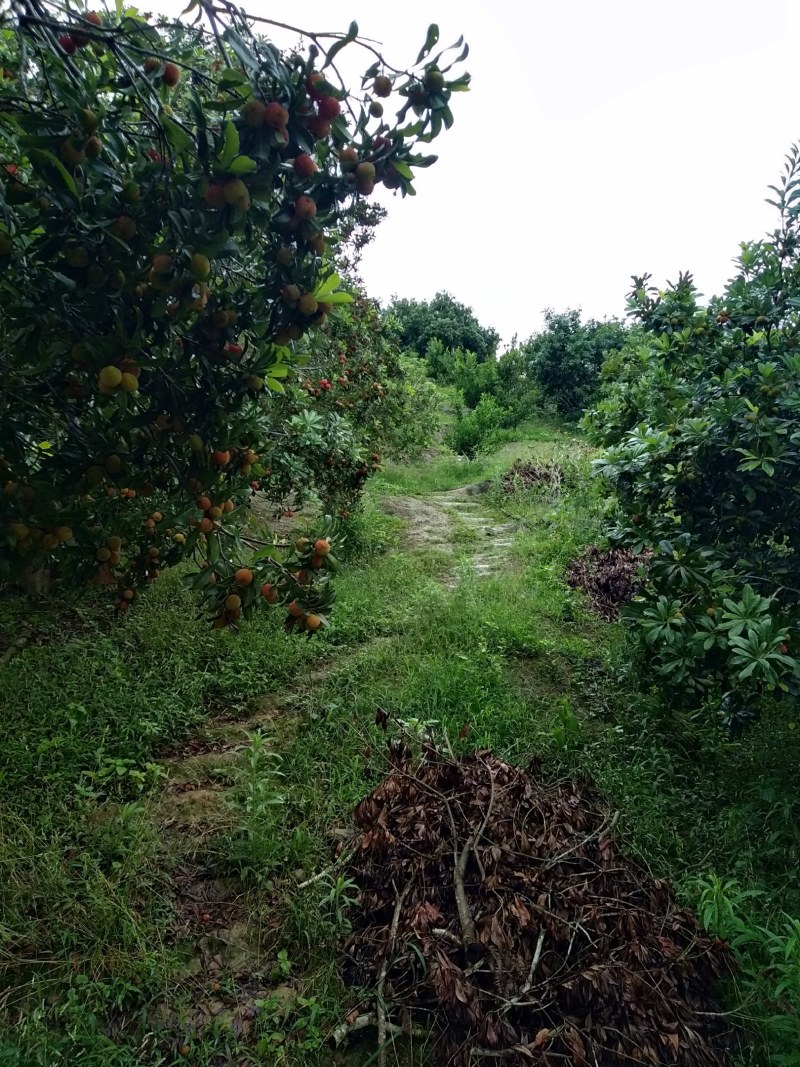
(498, 913)
(610, 577)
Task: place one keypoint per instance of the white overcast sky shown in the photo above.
(600, 138)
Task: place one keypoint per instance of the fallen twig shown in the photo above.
(606, 827)
(344, 858)
(462, 904)
(529, 980)
(380, 1010)
(340, 1033)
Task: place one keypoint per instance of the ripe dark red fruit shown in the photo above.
(253, 112)
(171, 75)
(67, 44)
(314, 82)
(275, 116)
(214, 195)
(305, 208)
(304, 165)
(318, 126)
(328, 107)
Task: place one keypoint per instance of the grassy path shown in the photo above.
(226, 777)
(168, 790)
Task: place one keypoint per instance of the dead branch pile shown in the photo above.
(496, 909)
(608, 576)
(523, 476)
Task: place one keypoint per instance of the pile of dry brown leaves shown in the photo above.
(524, 475)
(608, 576)
(497, 912)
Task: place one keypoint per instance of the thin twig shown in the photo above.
(341, 1032)
(607, 825)
(363, 42)
(344, 858)
(529, 980)
(462, 904)
(380, 1011)
(446, 935)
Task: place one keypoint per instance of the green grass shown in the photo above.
(539, 440)
(517, 659)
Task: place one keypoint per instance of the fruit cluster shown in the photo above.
(171, 211)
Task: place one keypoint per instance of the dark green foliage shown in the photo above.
(703, 436)
(564, 360)
(164, 235)
(515, 386)
(473, 430)
(461, 368)
(444, 319)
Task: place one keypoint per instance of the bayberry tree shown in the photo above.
(364, 404)
(702, 432)
(165, 198)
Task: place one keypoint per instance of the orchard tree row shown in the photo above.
(169, 195)
(701, 429)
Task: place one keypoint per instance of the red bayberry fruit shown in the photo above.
(304, 165)
(328, 107)
(318, 126)
(314, 82)
(305, 208)
(276, 116)
(214, 195)
(171, 75)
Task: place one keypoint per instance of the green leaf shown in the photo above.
(402, 168)
(341, 297)
(243, 165)
(176, 135)
(230, 146)
(327, 285)
(430, 41)
(213, 549)
(275, 386)
(53, 171)
(231, 76)
(334, 50)
(461, 85)
(241, 49)
(278, 370)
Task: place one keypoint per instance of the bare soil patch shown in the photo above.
(426, 525)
